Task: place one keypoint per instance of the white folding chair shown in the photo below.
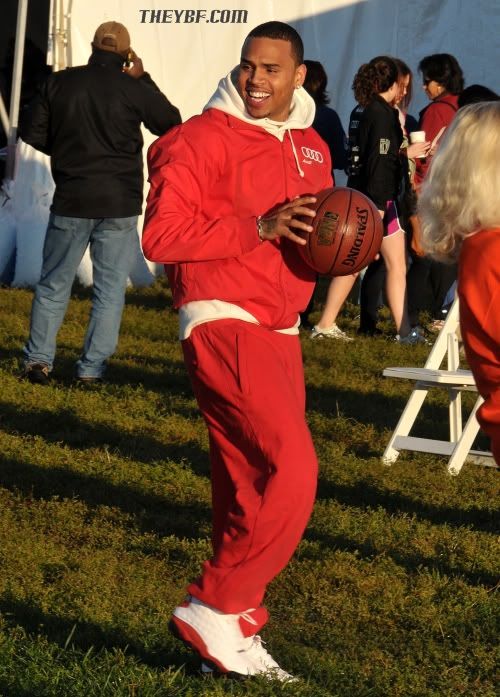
(456, 381)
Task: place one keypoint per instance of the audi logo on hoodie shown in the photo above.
(312, 155)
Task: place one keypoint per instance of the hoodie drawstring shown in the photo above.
(295, 153)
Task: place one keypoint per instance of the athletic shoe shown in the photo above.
(217, 637)
(38, 373)
(332, 332)
(414, 337)
(262, 661)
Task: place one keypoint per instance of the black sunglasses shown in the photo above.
(426, 80)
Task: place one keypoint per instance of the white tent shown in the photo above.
(188, 49)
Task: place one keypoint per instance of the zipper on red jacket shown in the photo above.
(280, 279)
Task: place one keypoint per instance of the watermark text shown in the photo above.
(193, 16)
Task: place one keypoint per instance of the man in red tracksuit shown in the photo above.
(229, 198)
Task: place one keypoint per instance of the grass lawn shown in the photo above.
(105, 516)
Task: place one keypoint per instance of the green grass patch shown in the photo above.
(105, 517)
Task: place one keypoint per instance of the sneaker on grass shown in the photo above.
(218, 639)
(414, 337)
(332, 332)
(262, 661)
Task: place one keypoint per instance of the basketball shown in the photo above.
(347, 232)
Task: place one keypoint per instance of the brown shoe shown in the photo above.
(37, 373)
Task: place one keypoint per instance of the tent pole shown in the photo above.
(15, 98)
(51, 36)
(4, 117)
(60, 36)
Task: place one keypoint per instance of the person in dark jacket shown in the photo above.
(326, 120)
(375, 139)
(88, 119)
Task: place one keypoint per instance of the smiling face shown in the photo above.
(267, 77)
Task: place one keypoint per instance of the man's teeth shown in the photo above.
(258, 95)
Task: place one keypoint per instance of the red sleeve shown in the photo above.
(176, 229)
(480, 308)
(437, 115)
(479, 291)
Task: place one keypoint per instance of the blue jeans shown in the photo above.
(113, 243)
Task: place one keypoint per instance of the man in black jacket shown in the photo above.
(88, 119)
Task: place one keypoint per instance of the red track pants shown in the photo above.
(249, 385)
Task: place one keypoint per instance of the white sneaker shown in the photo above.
(414, 337)
(332, 332)
(262, 663)
(218, 639)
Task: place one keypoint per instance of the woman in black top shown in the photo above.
(375, 138)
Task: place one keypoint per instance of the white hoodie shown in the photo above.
(227, 98)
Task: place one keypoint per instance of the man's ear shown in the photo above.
(300, 75)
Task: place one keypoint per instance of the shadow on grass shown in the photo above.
(410, 562)
(152, 513)
(84, 635)
(8, 355)
(382, 412)
(173, 378)
(161, 375)
(167, 375)
(376, 408)
(363, 494)
(64, 426)
(13, 691)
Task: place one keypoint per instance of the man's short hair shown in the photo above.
(280, 30)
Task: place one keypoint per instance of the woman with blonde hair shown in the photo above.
(460, 210)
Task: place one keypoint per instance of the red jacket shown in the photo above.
(437, 114)
(210, 179)
(479, 292)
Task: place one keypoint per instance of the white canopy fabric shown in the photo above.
(189, 48)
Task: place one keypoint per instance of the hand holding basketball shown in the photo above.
(346, 235)
(289, 220)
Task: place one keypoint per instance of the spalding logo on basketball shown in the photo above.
(347, 232)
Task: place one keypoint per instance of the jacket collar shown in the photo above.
(105, 59)
(382, 101)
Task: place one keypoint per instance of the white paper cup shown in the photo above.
(418, 137)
